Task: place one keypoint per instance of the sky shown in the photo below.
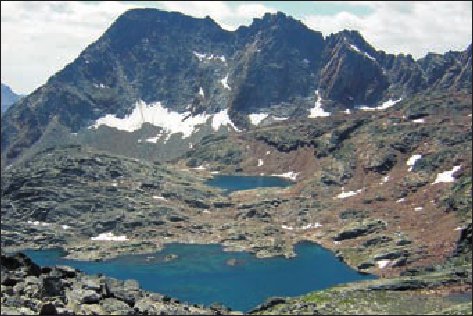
(39, 38)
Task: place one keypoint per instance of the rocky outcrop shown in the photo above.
(347, 56)
(27, 288)
(358, 229)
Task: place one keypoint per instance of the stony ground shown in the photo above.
(28, 289)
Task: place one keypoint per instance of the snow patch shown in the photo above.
(222, 119)
(418, 209)
(317, 110)
(356, 49)
(290, 175)
(168, 136)
(412, 161)
(385, 105)
(400, 200)
(383, 263)
(155, 138)
(37, 223)
(171, 122)
(257, 118)
(280, 118)
(310, 225)
(347, 111)
(268, 152)
(348, 194)
(201, 92)
(287, 227)
(224, 83)
(369, 56)
(203, 56)
(109, 237)
(156, 197)
(421, 120)
(65, 227)
(446, 176)
(260, 162)
(385, 179)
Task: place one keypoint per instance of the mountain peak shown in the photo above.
(8, 97)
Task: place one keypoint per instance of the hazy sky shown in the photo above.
(40, 38)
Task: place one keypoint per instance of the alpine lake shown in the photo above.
(205, 274)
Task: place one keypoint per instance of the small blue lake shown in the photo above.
(235, 183)
(201, 274)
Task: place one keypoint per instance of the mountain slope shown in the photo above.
(172, 65)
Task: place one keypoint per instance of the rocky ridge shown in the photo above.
(193, 67)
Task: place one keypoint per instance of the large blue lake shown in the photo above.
(235, 183)
(202, 274)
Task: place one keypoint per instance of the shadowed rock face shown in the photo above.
(274, 65)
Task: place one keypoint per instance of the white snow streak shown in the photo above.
(356, 49)
(446, 176)
(317, 110)
(385, 105)
(224, 82)
(222, 119)
(290, 175)
(280, 118)
(383, 263)
(348, 194)
(109, 237)
(412, 161)
(257, 118)
(203, 56)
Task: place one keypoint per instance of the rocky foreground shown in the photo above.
(28, 289)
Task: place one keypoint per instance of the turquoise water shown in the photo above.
(201, 274)
(235, 183)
